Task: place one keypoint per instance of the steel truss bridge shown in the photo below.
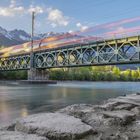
(107, 52)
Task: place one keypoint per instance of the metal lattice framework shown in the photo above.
(117, 51)
(107, 52)
(20, 62)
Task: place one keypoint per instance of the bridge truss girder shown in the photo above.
(118, 51)
(21, 62)
(108, 52)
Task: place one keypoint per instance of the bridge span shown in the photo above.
(125, 50)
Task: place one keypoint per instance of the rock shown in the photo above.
(117, 137)
(136, 110)
(137, 93)
(124, 107)
(129, 99)
(55, 126)
(110, 105)
(94, 119)
(122, 102)
(121, 117)
(9, 127)
(77, 110)
(86, 113)
(11, 135)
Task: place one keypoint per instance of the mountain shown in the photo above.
(15, 37)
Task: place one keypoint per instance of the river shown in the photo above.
(18, 100)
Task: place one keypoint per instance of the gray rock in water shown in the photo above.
(77, 110)
(110, 105)
(121, 102)
(11, 135)
(86, 113)
(55, 126)
(136, 110)
(123, 117)
(9, 127)
(124, 107)
(133, 99)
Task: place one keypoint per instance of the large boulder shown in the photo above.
(55, 126)
(12, 135)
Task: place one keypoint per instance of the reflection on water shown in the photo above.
(24, 111)
(21, 100)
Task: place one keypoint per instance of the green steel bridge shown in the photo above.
(107, 52)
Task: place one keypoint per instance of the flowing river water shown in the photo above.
(17, 100)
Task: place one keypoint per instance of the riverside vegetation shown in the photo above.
(94, 73)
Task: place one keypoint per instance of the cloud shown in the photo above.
(11, 10)
(37, 9)
(57, 18)
(82, 27)
(13, 3)
(122, 30)
(70, 31)
(79, 24)
(121, 22)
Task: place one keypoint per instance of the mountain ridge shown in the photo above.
(18, 36)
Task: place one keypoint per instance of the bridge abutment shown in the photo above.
(38, 74)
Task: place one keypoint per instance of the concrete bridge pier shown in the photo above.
(38, 74)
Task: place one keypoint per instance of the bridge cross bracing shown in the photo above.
(125, 50)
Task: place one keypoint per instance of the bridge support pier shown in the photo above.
(38, 74)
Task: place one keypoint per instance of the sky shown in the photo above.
(65, 15)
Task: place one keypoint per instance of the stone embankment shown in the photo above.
(117, 119)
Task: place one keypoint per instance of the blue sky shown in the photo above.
(64, 15)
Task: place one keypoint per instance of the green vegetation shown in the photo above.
(1, 47)
(13, 75)
(100, 73)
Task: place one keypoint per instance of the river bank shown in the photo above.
(116, 119)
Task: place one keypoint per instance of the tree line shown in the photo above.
(94, 73)
(100, 73)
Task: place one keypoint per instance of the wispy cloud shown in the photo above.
(121, 30)
(121, 22)
(113, 25)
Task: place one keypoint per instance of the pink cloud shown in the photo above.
(109, 25)
(121, 31)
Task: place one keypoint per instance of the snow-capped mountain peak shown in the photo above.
(14, 37)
